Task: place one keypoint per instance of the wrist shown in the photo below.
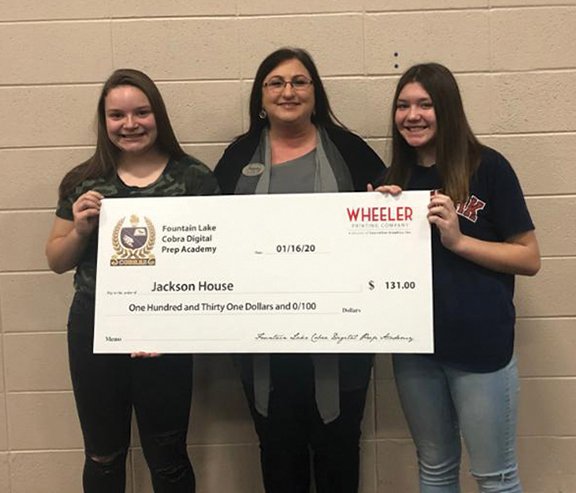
(458, 245)
(79, 235)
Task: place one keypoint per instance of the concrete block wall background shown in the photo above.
(516, 63)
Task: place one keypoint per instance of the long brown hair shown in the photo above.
(457, 149)
(103, 163)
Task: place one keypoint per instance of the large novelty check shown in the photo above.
(333, 272)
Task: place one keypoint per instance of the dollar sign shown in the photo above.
(371, 285)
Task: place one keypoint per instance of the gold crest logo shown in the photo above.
(133, 244)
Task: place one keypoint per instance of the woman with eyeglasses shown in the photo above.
(301, 403)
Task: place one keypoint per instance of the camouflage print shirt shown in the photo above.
(185, 176)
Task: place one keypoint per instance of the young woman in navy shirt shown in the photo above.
(482, 235)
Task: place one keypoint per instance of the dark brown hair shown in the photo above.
(104, 161)
(457, 149)
(322, 115)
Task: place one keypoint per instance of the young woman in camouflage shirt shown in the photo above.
(137, 155)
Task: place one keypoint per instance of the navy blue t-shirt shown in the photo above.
(474, 313)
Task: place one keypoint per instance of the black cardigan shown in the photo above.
(364, 164)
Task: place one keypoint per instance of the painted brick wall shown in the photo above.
(516, 63)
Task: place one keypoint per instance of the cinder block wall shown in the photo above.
(516, 62)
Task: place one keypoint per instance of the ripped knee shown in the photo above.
(106, 464)
(174, 473)
(507, 480)
(167, 456)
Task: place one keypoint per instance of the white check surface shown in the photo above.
(342, 272)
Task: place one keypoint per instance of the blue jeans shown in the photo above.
(440, 402)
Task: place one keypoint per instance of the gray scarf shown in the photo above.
(332, 175)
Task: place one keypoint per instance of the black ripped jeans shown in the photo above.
(107, 387)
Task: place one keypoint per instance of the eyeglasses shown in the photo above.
(278, 84)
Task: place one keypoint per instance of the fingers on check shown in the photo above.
(391, 189)
(93, 197)
(144, 354)
(439, 203)
(394, 189)
(89, 200)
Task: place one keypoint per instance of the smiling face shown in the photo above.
(130, 121)
(415, 119)
(288, 106)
